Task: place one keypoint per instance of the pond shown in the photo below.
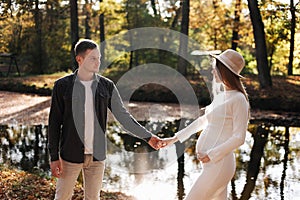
(268, 164)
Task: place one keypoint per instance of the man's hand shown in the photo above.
(156, 142)
(56, 168)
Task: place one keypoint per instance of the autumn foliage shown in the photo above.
(16, 184)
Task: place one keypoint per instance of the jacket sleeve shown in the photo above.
(55, 122)
(125, 118)
(240, 110)
(194, 127)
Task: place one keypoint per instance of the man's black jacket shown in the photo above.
(66, 118)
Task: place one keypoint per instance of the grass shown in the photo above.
(37, 84)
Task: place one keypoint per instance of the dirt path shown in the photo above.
(23, 108)
(28, 109)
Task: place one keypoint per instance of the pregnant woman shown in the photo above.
(223, 126)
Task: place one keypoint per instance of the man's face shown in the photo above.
(90, 60)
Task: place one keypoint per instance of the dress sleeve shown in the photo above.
(240, 110)
(194, 127)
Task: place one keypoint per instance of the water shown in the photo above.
(158, 175)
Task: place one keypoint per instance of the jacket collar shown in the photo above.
(76, 79)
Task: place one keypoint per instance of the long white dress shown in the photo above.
(224, 126)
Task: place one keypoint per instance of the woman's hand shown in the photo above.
(169, 141)
(157, 143)
(203, 157)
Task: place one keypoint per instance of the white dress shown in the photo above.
(224, 126)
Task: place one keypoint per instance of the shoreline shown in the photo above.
(32, 109)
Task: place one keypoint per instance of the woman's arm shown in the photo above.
(194, 127)
(185, 133)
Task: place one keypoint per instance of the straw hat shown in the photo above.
(233, 60)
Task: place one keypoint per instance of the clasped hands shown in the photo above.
(158, 143)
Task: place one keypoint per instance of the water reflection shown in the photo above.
(24, 147)
(267, 164)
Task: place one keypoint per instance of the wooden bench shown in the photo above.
(7, 61)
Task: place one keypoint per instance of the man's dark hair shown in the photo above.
(83, 45)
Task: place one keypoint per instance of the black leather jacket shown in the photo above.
(66, 118)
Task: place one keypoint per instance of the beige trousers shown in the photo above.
(92, 172)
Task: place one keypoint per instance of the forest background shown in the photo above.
(42, 33)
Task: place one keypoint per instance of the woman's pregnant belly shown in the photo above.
(211, 137)
(204, 142)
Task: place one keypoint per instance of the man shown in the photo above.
(77, 124)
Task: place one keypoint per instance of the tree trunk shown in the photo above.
(74, 30)
(264, 76)
(38, 55)
(130, 36)
(271, 57)
(292, 39)
(87, 19)
(175, 19)
(102, 35)
(183, 46)
(236, 23)
(214, 34)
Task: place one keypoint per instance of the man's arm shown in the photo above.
(55, 121)
(129, 123)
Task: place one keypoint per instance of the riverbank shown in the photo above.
(32, 109)
(283, 96)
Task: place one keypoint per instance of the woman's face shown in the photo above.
(215, 72)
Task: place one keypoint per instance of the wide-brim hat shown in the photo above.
(233, 60)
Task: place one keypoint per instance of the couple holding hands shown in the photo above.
(78, 117)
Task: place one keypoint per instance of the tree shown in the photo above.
(87, 11)
(184, 30)
(102, 33)
(132, 23)
(56, 22)
(235, 32)
(260, 45)
(211, 24)
(292, 39)
(38, 51)
(276, 28)
(74, 29)
(137, 16)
